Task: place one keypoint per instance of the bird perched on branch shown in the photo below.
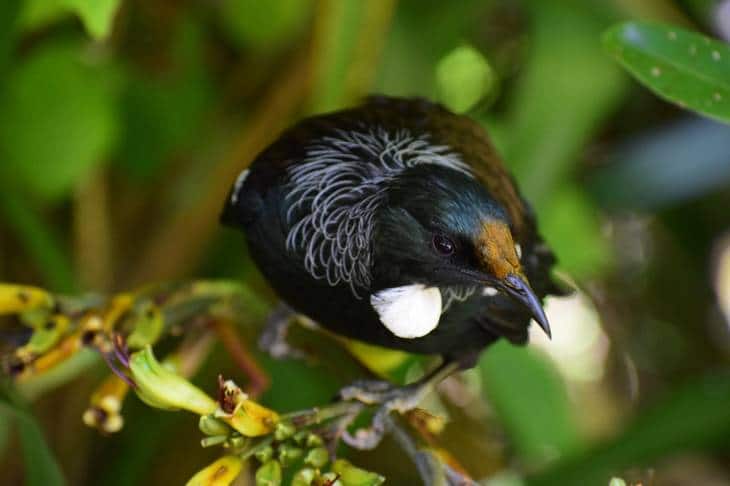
(395, 223)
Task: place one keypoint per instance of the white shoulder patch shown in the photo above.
(411, 311)
(237, 186)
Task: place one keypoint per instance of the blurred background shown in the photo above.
(124, 122)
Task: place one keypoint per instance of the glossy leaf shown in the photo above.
(684, 67)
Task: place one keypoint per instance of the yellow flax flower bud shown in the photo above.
(20, 298)
(221, 473)
(246, 416)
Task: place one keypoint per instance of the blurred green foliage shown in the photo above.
(56, 97)
(139, 112)
(40, 465)
(464, 78)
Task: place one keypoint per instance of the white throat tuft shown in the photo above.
(409, 312)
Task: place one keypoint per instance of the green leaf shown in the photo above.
(97, 15)
(41, 468)
(58, 120)
(530, 398)
(684, 67)
(463, 78)
(264, 25)
(696, 416)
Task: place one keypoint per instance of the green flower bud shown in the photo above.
(269, 474)
(249, 418)
(159, 387)
(354, 476)
(209, 425)
(147, 327)
(289, 454)
(45, 336)
(304, 477)
(236, 442)
(213, 440)
(317, 457)
(301, 436)
(313, 440)
(283, 431)
(265, 454)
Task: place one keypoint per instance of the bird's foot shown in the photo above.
(388, 398)
(273, 337)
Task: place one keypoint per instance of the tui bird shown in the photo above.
(395, 223)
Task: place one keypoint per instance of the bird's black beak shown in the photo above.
(518, 288)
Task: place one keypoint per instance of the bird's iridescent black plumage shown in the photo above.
(346, 204)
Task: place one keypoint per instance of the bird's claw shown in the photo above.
(369, 392)
(389, 399)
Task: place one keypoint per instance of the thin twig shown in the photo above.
(92, 232)
(258, 378)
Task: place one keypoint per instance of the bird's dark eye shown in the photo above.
(443, 245)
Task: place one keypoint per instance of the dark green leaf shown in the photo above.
(530, 398)
(41, 468)
(694, 417)
(684, 67)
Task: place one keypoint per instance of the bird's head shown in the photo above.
(441, 228)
